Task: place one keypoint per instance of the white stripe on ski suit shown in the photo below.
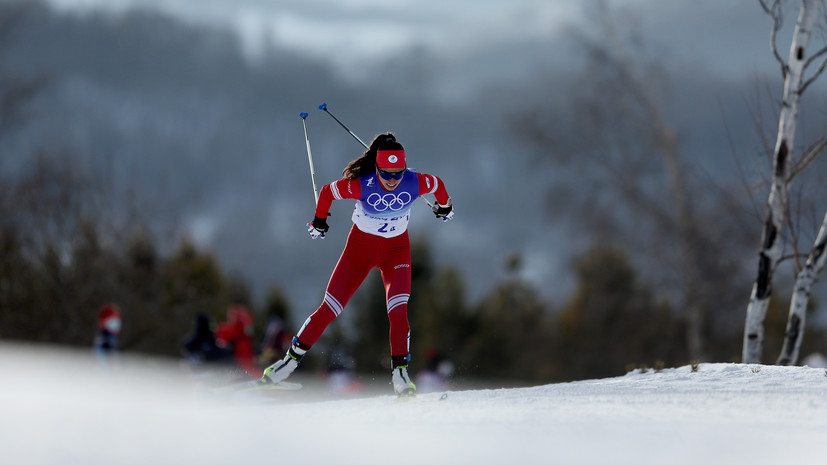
(397, 300)
(334, 189)
(436, 183)
(334, 304)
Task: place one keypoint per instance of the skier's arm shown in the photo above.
(430, 184)
(337, 190)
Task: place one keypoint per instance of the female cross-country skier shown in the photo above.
(385, 190)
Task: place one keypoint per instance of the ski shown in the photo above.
(258, 385)
(409, 398)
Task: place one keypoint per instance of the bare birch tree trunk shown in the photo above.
(801, 297)
(777, 203)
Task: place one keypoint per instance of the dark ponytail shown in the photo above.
(367, 162)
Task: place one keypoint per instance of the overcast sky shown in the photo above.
(349, 32)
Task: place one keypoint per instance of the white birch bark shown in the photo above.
(777, 203)
(801, 297)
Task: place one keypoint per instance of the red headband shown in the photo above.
(390, 159)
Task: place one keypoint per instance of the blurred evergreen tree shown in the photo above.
(15, 273)
(611, 321)
(511, 338)
(276, 304)
(140, 293)
(237, 291)
(440, 319)
(191, 282)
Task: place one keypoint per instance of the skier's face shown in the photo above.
(391, 178)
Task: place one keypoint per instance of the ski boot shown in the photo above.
(402, 384)
(279, 371)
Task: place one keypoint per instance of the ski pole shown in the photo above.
(309, 156)
(323, 107)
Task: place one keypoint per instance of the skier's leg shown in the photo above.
(353, 266)
(397, 293)
(396, 275)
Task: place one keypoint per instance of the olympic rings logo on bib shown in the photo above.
(390, 201)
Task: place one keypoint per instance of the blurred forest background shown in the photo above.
(147, 162)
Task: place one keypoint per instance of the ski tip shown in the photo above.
(407, 394)
(323, 106)
(303, 115)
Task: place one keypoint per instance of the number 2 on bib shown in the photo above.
(384, 228)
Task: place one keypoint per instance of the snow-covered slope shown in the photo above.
(58, 408)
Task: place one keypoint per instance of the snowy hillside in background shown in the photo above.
(58, 408)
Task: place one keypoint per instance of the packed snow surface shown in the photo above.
(63, 408)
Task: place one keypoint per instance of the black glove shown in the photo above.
(318, 227)
(445, 213)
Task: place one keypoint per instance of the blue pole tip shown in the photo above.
(323, 106)
(303, 115)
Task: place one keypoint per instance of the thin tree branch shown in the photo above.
(754, 210)
(775, 13)
(793, 256)
(818, 71)
(807, 157)
(815, 56)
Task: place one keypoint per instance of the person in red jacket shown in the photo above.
(108, 334)
(237, 333)
(385, 189)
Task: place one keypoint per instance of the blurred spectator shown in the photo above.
(236, 334)
(108, 333)
(201, 346)
(815, 360)
(276, 341)
(435, 376)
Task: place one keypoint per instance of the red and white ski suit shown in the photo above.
(378, 239)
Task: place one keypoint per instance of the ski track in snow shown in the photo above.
(59, 407)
